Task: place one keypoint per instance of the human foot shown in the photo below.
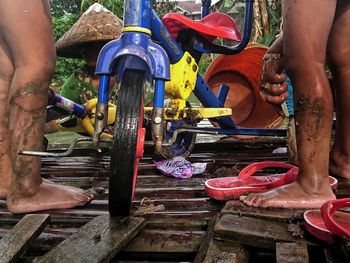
(288, 196)
(5, 177)
(4, 187)
(48, 196)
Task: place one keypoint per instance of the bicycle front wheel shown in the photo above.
(127, 147)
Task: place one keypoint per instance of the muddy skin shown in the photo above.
(315, 111)
(5, 171)
(28, 192)
(311, 189)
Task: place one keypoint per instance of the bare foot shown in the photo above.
(4, 187)
(49, 196)
(339, 165)
(288, 196)
(5, 177)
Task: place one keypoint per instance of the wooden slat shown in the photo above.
(236, 207)
(206, 241)
(220, 251)
(291, 253)
(254, 232)
(97, 241)
(165, 241)
(16, 241)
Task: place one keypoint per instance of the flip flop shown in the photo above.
(225, 188)
(328, 223)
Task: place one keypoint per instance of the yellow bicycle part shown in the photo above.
(137, 29)
(195, 113)
(182, 82)
(89, 120)
(79, 127)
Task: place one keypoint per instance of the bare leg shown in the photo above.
(339, 56)
(6, 74)
(26, 27)
(304, 49)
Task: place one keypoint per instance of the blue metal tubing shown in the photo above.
(208, 99)
(159, 94)
(248, 17)
(161, 35)
(222, 93)
(205, 8)
(78, 109)
(137, 13)
(103, 89)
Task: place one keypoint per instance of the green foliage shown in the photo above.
(59, 7)
(227, 5)
(275, 20)
(204, 63)
(64, 67)
(115, 6)
(63, 23)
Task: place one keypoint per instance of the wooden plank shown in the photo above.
(235, 207)
(206, 241)
(97, 241)
(255, 232)
(165, 241)
(291, 253)
(16, 241)
(225, 252)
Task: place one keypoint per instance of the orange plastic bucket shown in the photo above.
(242, 74)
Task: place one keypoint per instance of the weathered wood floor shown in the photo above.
(172, 220)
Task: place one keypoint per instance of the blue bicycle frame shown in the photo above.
(146, 45)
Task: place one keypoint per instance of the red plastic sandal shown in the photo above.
(225, 188)
(328, 223)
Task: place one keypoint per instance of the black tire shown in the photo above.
(124, 161)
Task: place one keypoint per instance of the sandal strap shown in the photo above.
(284, 178)
(327, 211)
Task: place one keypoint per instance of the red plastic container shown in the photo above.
(242, 74)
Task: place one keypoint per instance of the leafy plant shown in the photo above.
(115, 6)
(64, 67)
(59, 7)
(275, 21)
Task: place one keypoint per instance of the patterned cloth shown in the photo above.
(179, 167)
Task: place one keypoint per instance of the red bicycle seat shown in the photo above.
(211, 26)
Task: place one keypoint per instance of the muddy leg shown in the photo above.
(339, 57)
(304, 46)
(6, 74)
(26, 27)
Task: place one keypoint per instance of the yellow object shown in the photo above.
(183, 78)
(196, 113)
(89, 120)
(137, 29)
(79, 127)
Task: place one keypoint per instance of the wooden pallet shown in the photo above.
(172, 219)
